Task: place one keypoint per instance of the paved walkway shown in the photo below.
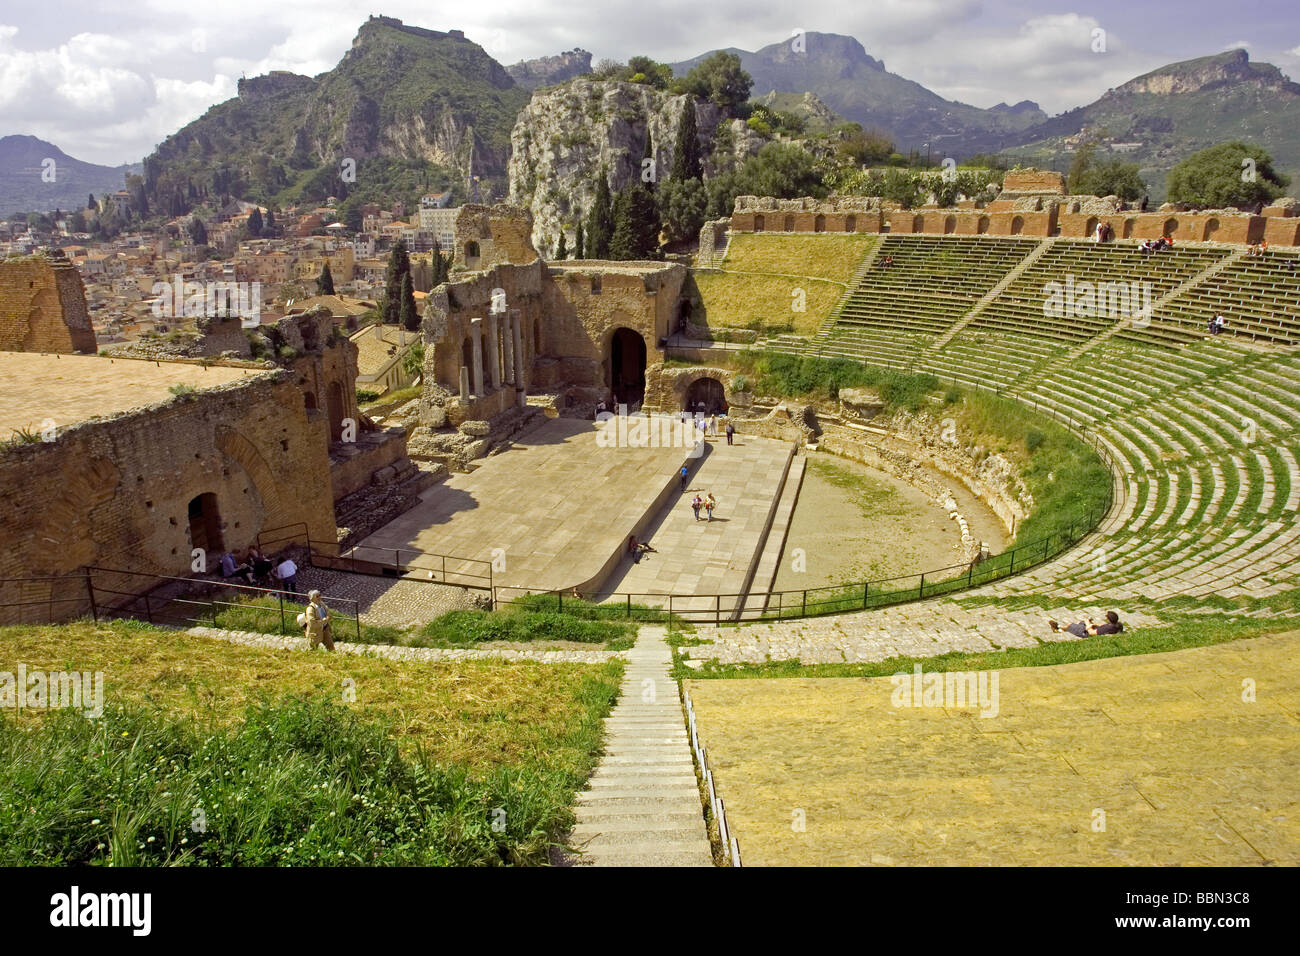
(394, 652)
(709, 557)
(1182, 758)
(642, 806)
(556, 504)
(922, 629)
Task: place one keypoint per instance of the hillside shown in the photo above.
(549, 70)
(22, 161)
(858, 87)
(1166, 115)
(412, 107)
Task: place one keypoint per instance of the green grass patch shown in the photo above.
(806, 376)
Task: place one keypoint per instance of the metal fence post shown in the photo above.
(281, 595)
(90, 589)
(921, 593)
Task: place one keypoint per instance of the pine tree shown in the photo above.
(562, 252)
(407, 313)
(441, 266)
(325, 284)
(686, 153)
(90, 202)
(399, 267)
(268, 227)
(600, 228)
(579, 248)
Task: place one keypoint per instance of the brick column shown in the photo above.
(521, 383)
(508, 345)
(476, 370)
(493, 375)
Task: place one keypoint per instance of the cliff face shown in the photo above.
(564, 136)
(549, 70)
(1192, 76)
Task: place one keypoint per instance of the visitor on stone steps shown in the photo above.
(709, 505)
(1085, 628)
(634, 549)
(685, 473)
(731, 432)
(696, 503)
(287, 573)
(316, 620)
(261, 566)
(230, 570)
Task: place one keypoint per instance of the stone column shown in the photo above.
(476, 370)
(464, 385)
(490, 353)
(521, 383)
(508, 344)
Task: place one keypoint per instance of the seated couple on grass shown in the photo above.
(1090, 627)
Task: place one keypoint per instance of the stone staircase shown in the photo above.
(859, 275)
(642, 806)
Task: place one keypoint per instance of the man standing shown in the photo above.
(287, 572)
(696, 503)
(318, 622)
(731, 431)
(684, 473)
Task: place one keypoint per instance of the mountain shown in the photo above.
(549, 70)
(858, 87)
(414, 108)
(1166, 115)
(23, 161)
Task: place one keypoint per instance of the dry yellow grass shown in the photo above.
(475, 712)
(1147, 760)
(819, 256)
(734, 301)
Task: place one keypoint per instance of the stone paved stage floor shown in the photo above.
(72, 388)
(1184, 770)
(558, 504)
(709, 557)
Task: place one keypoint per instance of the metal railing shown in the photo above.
(112, 594)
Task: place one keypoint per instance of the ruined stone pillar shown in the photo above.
(508, 346)
(464, 385)
(490, 353)
(476, 369)
(521, 383)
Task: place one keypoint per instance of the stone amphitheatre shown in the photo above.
(855, 537)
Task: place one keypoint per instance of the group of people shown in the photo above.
(886, 263)
(707, 503)
(1156, 245)
(257, 569)
(1257, 248)
(1218, 324)
(1104, 232)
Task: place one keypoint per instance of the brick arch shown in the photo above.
(245, 454)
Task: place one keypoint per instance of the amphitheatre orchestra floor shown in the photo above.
(1147, 760)
(71, 388)
(559, 507)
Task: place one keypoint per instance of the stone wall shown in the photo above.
(43, 306)
(500, 234)
(116, 492)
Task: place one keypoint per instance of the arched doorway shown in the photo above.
(705, 395)
(789, 224)
(850, 223)
(949, 225)
(684, 308)
(819, 223)
(337, 409)
(1171, 227)
(758, 223)
(1211, 228)
(1017, 226)
(205, 523)
(627, 356)
(983, 225)
(918, 224)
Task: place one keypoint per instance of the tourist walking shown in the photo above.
(316, 621)
(709, 505)
(696, 504)
(731, 431)
(685, 474)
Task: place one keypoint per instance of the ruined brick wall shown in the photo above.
(1024, 182)
(43, 306)
(500, 233)
(588, 301)
(115, 492)
(325, 368)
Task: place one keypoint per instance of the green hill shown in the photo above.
(413, 108)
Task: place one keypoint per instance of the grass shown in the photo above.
(285, 766)
(809, 377)
(760, 302)
(833, 257)
(524, 620)
(1186, 631)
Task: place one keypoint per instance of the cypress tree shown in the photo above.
(325, 284)
(600, 227)
(399, 266)
(686, 152)
(561, 252)
(579, 249)
(407, 313)
(255, 223)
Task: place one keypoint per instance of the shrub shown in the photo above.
(740, 384)
(952, 396)
(1034, 440)
(366, 395)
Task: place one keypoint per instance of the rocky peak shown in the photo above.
(549, 70)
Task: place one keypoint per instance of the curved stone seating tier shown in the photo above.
(1260, 297)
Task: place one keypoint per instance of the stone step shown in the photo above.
(649, 853)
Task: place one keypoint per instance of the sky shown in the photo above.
(106, 80)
